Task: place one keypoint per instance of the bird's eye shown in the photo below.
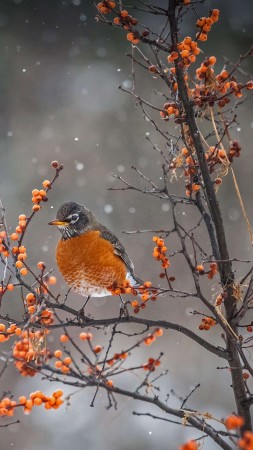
(74, 218)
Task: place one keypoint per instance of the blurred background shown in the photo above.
(59, 99)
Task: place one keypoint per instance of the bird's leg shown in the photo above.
(80, 313)
(123, 308)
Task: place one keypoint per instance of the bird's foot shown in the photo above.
(123, 312)
(80, 314)
(81, 317)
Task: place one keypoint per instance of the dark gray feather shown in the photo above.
(118, 248)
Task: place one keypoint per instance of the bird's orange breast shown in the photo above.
(88, 262)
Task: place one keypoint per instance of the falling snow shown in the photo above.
(108, 209)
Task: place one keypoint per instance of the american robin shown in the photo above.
(89, 256)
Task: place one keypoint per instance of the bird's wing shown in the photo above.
(119, 249)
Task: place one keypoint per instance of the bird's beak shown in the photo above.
(58, 223)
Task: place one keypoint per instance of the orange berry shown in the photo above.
(202, 37)
(35, 192)
(190, 445)
(22, 256)
(32, 309)
(18, 331)
(187, 40)
(116, 20)
(200, 268)
(36, 208)
(153, 69)
(23, 271)
(83, 336)
(158, 332)
(222, 153)
(58, 364)
(64, 338)
(58, 393)
(195, 187)
(67, 360)
(97, 349)
(22, 217)
(46, 183)
(134, 303)
(215, 12)
(130, 37)
(30, 297)
(52, 280)
(22, 400)
(41, 265)
(109, 383)
(58, 353)
(246, 375)
(192, 58)
(2, 327)
(18, 229)
(185, 53)
(14, 236)
(172, 56)
(201, 22)
(124, 13)
(19, 264)
(65, 369)
(10, 287)
(29, 404)
(212, 60)
(22, 224)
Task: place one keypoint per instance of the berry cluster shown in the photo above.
(7, 405)
(44, 316)
(150, 339)
(106, 6)
(12, 329)
(159, 252)
(30, 347)
(20, 228)
(246, 443)
(125, 20)
(151, 364)
(187, 49)
(234, 151)
(207, 323)
(117, 357)
(205, 24)
(38, 398)
(62, 363)
(169, 109)
(211, 273)
(145, 291)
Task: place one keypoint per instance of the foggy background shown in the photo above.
(59, 99)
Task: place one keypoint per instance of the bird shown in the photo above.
(89, 256)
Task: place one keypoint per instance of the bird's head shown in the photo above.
(72, 219)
